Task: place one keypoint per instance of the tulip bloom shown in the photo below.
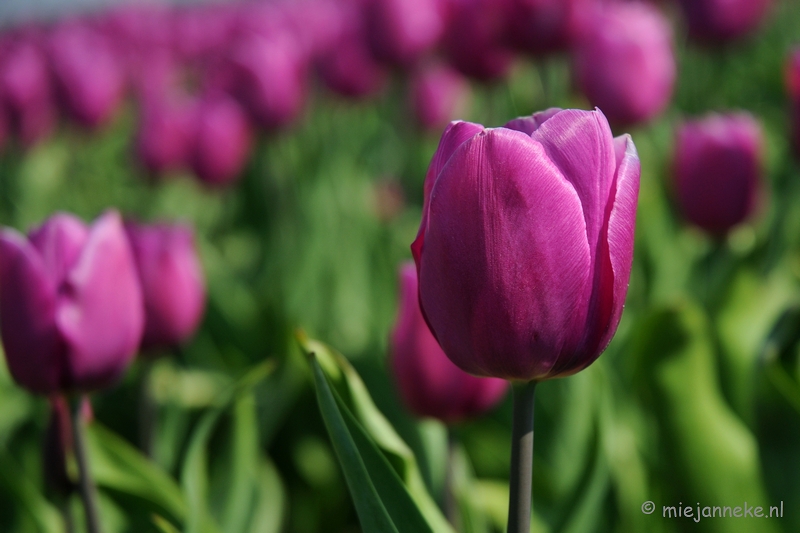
(525, 247)
(793, 88)
(624, 62)
(71, 313)
(429, 383)
(221, 140)
(400, 32)
(172, 282)
(164, 137)
(717, 170)
(438, 95)
(722, 20)
(545, 26)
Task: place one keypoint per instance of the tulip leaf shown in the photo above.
(30, 501)
(271, 501)
(356, 402)
(118, 466)
(239, 494)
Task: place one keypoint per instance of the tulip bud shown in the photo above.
(27, 93)
(545, 26)
(717, 170)
(221, 140)
(429, 384)
(267, 75)
(89, 80)
(722, 20)
(172, 281)
(438, 95)
(624, 63)
(473, 40)
(71, 314)
(793, 88)
(400, 32)
(165, 134)
(525, 247)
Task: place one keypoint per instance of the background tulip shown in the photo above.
(717, 170)
(172, 282)
(624, 62)
(164, 138)
(438, 94)
(429, 383)
(722, 20)
(71, 314)
(89, 80)
(401, 31)
(221, 140)
(526, 243)
(793, 88)
(544, 26)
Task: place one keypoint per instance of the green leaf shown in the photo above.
(357, 402)
(271, 502)
(119, 466)
(30, 501)
(371, 510)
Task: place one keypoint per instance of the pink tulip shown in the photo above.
(400, 32)
(172, 282)
(221, 142)
(438, 94)
(71, 313)
(165, 134)
(544, 26)
(718, 170)
(723, 20)
(525, 247)
(624, 62)
(428, 382)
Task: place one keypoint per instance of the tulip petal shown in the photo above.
(532, 123)
(454, 136)
(100, 312)
(34, 351)
(505, 271)
(59, 242)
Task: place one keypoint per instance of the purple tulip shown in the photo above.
(793, 88)
(165, 134)
(267, 75)
(89, 79)
(71, 313)
(624, 63)
(400, 32)
(27, 91)
(429, 383)
(172, 282)
(722, 20)
(473, 40)
(545, 26)
(526, 242)
(717, 170)
(438, 94)
(221, 140)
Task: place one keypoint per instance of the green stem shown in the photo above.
(147, 409)
(87, 488)
(520, 480)
(450, 505)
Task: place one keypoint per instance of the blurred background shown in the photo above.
(294, 138)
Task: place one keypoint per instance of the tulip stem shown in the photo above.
(86, 484)
(147, 409)
(450, 504)
(521, 477)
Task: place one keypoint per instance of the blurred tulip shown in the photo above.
(173, 285)
(544, 26)
(221, 140)
(473, 40)
(429, 383)
(722, 20)
(793, 88)
(201, 30)
(267, 75)
(438, 95)
(347, 67)
(717, 170)
(71, 313)
(624, 63)
(164, 136)
(400, 32)
(27, 91)
(89, 80)
(526, 242)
